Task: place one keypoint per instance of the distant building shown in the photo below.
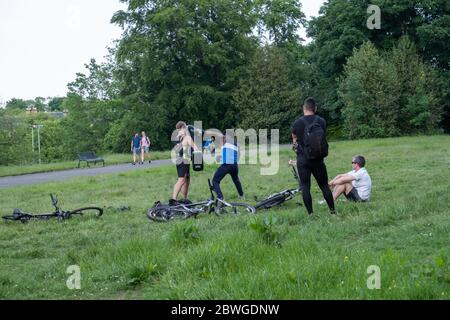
(31, 110)
(56, 114)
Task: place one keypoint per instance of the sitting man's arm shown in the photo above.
(332, 182)
(342, 179)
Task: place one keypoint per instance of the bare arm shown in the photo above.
(346, 178)
(294, 138)
(191, 143)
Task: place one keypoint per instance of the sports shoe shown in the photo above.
(173, 202)
(185, 201)
(149, 161)
(133, 163)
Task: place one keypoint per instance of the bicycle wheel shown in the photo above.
(272, 201)
(18, 215)
(91, 211)
(236, 208)
(167, 214)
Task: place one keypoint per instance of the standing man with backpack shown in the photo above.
(310, 142)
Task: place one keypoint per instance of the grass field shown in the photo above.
(278, 254)
(110, 159)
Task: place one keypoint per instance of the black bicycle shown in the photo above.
(279, 197)
(19, 215)
(164, 212)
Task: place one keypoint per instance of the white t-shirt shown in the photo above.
(362, 183)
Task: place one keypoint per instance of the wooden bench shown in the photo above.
(89, 157)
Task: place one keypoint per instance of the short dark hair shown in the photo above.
(310, 104)
(360, 160)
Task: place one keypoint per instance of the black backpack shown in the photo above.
(315, 145)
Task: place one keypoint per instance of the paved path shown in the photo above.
(35, 178)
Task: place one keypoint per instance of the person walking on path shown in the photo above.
(135, 147)
(145, 147)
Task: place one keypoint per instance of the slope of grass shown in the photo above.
(278, 254)
(110, 159)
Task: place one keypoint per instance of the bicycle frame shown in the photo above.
(60, 214)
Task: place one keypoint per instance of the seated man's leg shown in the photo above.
(342, 188)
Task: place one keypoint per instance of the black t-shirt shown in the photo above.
(298, 128)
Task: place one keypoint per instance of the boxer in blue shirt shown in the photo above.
(229, 165)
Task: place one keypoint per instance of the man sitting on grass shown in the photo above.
(356, 185)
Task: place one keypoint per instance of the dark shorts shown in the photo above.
(183, 170)
(354, 196)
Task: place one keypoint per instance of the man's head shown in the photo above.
(309, 106)
(136, 134)
(181, 126)
(358, 162)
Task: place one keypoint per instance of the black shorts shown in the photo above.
(183, 170)
(354, 196)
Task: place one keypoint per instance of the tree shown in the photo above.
(369, 90)
(55, 104)
(265, 97)
(99, 83)
(281, 19)
(418, 108)
(183, 59)
(341, 27)
(387, 94)
(18, 104)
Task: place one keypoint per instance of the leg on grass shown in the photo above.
(237, 183)
(177, 187)
(304, 173)
(321, 175)
(218, 176)
(185, 188)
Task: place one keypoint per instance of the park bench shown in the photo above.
(89, 157)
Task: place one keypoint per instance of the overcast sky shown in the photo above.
(43, 43)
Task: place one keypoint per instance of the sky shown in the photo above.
(44, 43)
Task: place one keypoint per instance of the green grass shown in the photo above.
(110, 159)
(278, 254)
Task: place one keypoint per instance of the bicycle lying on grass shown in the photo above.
(163, 212)
(279, 197)
(19, 215)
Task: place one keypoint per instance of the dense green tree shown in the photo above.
(265, 97)
(369, 90)
(341, 27)
(55, 103)
(14, 143)
(387, 94)
(18, 104)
